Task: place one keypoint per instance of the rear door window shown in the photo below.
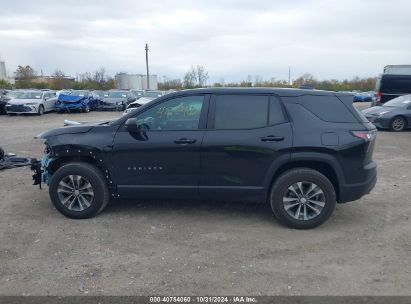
(241, 111)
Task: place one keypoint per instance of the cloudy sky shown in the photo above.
(231, 38)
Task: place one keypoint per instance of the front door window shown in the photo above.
(181, 113)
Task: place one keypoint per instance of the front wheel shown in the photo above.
(78, 190)
(398, 124)
(40, 110)
(86, 109)
(302, 198)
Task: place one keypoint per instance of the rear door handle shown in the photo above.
(272, 138)
(184, 141)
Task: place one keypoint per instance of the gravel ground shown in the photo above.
(200, 248)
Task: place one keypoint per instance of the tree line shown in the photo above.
(196, 77)
(26, 77)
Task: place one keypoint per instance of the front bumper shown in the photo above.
(70, 107)
(111, 107)
(353, 192)
(379, 122)
(41, 174)
(21, 109)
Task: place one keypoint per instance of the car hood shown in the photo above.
(378, 110)
(72, 129)
(23, 101)
(142, 100)
(70, 98)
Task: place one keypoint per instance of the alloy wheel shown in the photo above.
(75, 193)
(304, 200)
(398, 124)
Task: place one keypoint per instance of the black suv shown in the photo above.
(302, 151)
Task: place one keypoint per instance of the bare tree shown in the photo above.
(99, 76)
(25, 73)
(190, 78)
(201, 75)
(60, 81)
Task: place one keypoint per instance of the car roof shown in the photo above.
(284, 92)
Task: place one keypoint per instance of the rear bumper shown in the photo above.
(353, 192)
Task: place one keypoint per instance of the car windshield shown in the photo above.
(29, 95)
(100, 93)
(78, 93)
(137, 93)
(14, 94)
(399, 102)
(153, 94)
(117, 94)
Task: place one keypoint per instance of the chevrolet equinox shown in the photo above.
(301, 151)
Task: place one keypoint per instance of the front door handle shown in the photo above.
(184, 141)
(272, 138)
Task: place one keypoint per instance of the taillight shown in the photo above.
(366, 135)
(378, 98)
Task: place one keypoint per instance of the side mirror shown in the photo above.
(131, 125)
(136, 131)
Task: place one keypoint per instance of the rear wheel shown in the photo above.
(86, 109)
(398, 124)
(302, 198)
(78, 190)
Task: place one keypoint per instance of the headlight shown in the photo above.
(383, 112)
(30, 104)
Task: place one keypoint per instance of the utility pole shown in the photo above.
(289, 75)
(148, 74)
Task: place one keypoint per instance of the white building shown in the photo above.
(3, 73)
(126, 81)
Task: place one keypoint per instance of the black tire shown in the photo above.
(280, 189)
(90, 173)
(86, 109)
(40, 110)
(398, 124)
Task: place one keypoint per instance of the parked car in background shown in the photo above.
(31, 102)
(64, 92)
(138, 103)
(3, 102)
(394, 115)
(100, 94)
(77, 101)
(153, 94)
(117, 100)
(362, 97)
(137, 93)
(394, 82)
(300, 151)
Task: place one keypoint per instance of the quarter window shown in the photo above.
(276, 112)
(240, 111)
(181, 113)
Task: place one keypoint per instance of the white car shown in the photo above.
(136, 104)
(32, 101)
